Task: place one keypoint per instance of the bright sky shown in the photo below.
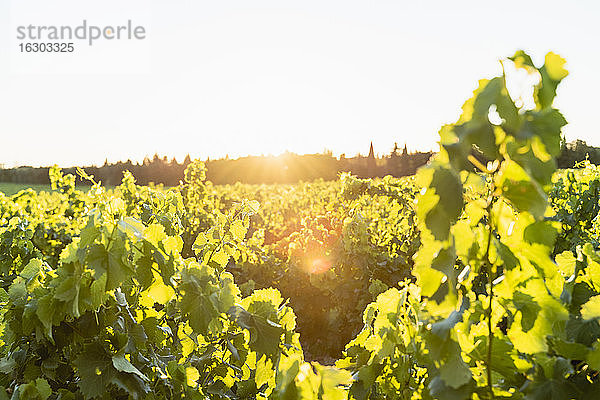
(238, 77)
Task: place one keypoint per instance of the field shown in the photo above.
(477, 278)
(12, 188)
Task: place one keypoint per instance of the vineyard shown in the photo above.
(479, 277)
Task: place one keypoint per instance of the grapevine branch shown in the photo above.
(489, 271)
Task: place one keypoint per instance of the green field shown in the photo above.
(13, 188)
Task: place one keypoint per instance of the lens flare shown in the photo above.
(319, 265)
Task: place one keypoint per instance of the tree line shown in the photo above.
(285, 168)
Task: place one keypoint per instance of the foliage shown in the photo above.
(501, 317)
(330, 248)
(574, 199)
(382, 356)
(488, 286)
(121, 314)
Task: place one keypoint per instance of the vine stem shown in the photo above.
(490, 277)
(491, 297)
(490, 335)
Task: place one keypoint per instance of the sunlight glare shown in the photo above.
(319, 265)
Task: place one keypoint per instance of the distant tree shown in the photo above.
(575, 152)
(371, 163)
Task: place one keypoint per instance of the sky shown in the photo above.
(236, 78)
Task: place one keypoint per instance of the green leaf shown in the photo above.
(35, 390)
(522, 60)
(110, 262)
(546, 125)
(528, 307)
(542, 232)
(198, 301)
(570, 350)
(429, 279)
(554, 384)
(238, 230)
(191, 376)
(333, 381)
(444, 262)
(531, 338)
(133, 385)
(155, 234)
(591, 309)
(445, 352)
(124, 365)
(95, 370)
(45, 311)
(502, 360)
(98, 291)
(17, 292)
(7, 364)
(534, 159)
(228, 292)
(367, 375)
(43, 388)
(495, 94)
(566, 263)
(441, 203)
(67, 290)
(440, 390)
(265, 335)
(523, 193)
(32, 269)
(552, 73)
(89, 234)
(478, 133)
(593, 357)
(3, 296)
(455, 372)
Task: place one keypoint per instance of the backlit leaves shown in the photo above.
(500, 244)
(440, 202)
